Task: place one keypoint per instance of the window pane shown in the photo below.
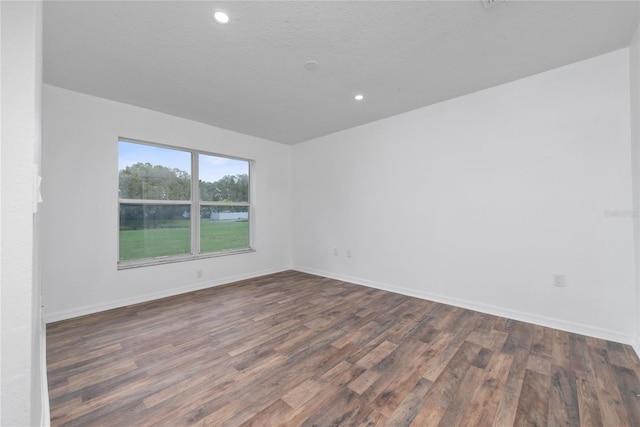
(153, 173)
(224, 228)
(223, 180)
(149, 231)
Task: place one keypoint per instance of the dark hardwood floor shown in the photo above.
(295, 349)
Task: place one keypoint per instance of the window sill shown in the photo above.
(125, 265)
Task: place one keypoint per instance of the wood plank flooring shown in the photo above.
(294, 349)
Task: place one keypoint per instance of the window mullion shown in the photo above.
(203, 203)
(152, 202)
(195, 204)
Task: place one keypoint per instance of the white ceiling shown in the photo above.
(249, 75)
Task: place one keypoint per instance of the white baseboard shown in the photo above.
(95, 308)
(560, 324)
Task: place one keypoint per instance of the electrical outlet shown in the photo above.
(335, 251)
(559, 280)
(348, 253)
(199, 274)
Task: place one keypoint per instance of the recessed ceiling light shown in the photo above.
(221, 16)
(359, 97)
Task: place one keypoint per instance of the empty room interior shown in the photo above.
(355, 213)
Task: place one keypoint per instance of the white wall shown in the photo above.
(23, 389)
(498, 191)
(634, 83)
(80, 221)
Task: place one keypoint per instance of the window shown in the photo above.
(178, 204)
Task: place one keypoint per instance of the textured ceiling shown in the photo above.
(249, 75)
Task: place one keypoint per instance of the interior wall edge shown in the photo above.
(563, 325)
(96, 308)
(45, 413)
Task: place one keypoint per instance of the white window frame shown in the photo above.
(195, 203)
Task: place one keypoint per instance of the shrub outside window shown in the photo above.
(160, 189)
